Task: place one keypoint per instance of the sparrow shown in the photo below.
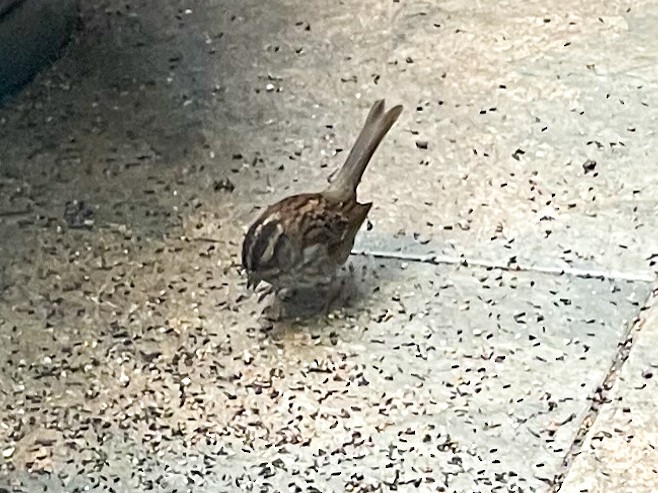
(303, 240)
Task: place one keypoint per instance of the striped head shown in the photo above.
(267, 251)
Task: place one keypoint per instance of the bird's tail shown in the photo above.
(377, 125)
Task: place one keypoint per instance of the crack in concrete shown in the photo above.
(602, 392)
(511, 267)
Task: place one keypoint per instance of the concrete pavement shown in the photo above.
(500, 333)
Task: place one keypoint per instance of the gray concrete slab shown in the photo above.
(619, 453)
(131, 356)
(465, 379)
(252, 79)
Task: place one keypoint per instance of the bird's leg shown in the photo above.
(273, 312)
(276, 311)
(346, 288)
(334, 292)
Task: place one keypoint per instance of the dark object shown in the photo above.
(589, 166)
(517, 154)
(224, 184)
(78, 215)
(32, 32)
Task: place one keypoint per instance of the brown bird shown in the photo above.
(301, 241)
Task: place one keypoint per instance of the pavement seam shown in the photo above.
(601, 394)
(512, 267)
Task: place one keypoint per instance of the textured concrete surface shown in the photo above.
(512, 248)
(621, 451)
